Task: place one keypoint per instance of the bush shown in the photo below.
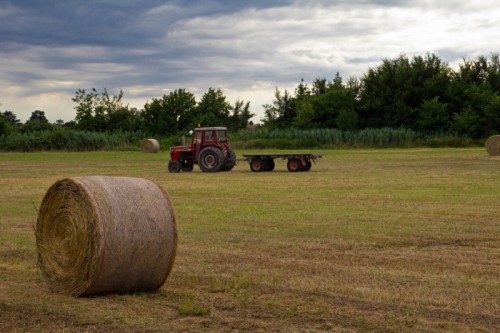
(59, 138)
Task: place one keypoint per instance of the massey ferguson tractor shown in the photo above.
(209, 149)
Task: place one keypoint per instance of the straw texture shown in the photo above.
(100, 234)
(150, 146)
(493, 145)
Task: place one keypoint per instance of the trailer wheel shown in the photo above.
(174, 166)
(257, 165)
(211, 159)
(294, 164)
(308, 165)
(270, 164)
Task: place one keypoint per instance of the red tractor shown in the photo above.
(209, 149)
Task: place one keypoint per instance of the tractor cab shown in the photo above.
(209, 136)
(209, 148)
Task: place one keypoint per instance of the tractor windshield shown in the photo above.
(222, 136)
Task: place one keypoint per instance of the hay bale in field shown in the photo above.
(150, 146)
(493, 145)
(100, 234)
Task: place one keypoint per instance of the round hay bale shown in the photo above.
(100, 234)
(493, 145)
(150, 146)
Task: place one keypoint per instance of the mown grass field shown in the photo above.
(369, 240)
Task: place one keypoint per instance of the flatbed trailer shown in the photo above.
(295, 161)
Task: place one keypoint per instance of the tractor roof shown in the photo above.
(210, 129)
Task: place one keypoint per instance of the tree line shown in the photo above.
(421, 93)
(175, 112)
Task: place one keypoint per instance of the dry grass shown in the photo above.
(368, 240)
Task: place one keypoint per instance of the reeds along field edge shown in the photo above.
(334, 138)
(291, 138)
(69, 140)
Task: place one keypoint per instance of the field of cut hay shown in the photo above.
(394, 240)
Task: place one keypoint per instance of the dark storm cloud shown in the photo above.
(116, 23)
(121, 27)
(60, 23)
(105, 23)
(49, 49)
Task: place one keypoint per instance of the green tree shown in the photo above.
(474, 72)
(38, 115)
(37, 122)
(336, 83)
(494, 72)
(393, 92)
(467, 123)
(123, 119)
(87, 104)
(102, 112)
(477, 99)
(433, 117)
(213, 109)
(170, 114)
(281, 113)
(5, 126)
(11, 118)
(347, 120)
(319, 86)
(305, 115)
(70, 125)
(492, 116)
(328, 106)
(302, 90)
(240, 115)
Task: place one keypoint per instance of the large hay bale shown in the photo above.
(493, 145)
(150, 146)
(100, 234)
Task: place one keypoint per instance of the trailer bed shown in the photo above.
(295, 161)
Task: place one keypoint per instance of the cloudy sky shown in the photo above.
(147, 48)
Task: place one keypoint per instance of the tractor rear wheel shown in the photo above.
(174, 166)
(211, 159)
(294, 164)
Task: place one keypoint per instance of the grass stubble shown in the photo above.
(369, 240)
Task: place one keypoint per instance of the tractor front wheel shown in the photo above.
(174, 166)
(211, 159)
(187, 165)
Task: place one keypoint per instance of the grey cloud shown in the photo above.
(152, 46)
